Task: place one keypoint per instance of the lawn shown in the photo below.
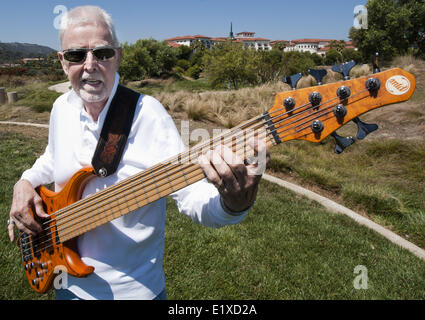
(287, 248)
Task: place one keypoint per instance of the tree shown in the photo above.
(269, 64)
(230, 63)
(351, 54)
(295, 62)
(146, 58)
(337, 45)
(394, 26)
(333, 57)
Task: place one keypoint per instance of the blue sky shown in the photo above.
(33, 21)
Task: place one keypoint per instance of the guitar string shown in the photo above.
(279, 121)
(112, 213)
(232, 137)
(131, 189)
(58, 213)
(182, 155)
(319, 111)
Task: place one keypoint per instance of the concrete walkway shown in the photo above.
(325, 202)
(61, 87)
(337, 208)
(25, 124)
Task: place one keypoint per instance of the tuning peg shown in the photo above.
(341, 143)
(363, 129)
(318, 74)
(292, 80)
(344, 68)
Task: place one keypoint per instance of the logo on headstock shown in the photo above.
(397, 85)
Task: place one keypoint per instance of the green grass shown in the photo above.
(155, 87)
(36, 95)
(287, 248)
(384, 178)
(17, 153)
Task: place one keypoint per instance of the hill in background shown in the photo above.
(10, 52)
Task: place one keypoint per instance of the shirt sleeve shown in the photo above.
(201, 202)
(42, 170)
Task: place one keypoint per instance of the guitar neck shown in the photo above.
(154, 183)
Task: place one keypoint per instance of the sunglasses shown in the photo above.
(80, 54)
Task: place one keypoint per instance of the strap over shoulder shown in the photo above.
(115, 131)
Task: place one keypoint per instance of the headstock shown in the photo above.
(314, 113)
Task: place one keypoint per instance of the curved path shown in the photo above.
(337, 208)
(61, 87)
(325, 202)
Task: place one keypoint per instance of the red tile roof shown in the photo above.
(276, 41)
(173, 44)
(200, 36)
(310, 40)
(181, 38)
(253, 39)
(219, 39)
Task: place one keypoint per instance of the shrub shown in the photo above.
(194, 71)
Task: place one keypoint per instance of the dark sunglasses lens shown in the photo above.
(104, 53)
(75, 55)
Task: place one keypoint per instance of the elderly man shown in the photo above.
(127, 252)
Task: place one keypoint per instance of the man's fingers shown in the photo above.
(210, 172)
(39, 210)
(258, 163)
(24, 228)
(24, 199)
(11, 230)
(29, 225)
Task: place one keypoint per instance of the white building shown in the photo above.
(319, 46)
(189, 40)
(247, 38)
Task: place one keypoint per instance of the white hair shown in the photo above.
(87, 15)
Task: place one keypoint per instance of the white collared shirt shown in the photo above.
(127, 252)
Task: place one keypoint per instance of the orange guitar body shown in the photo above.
(45, 256)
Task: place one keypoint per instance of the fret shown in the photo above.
(184, 175)
(169, 182)
(143, 187)
(132, 204)
(271, 130)
(157, 189)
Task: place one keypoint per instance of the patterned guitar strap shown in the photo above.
(115, 131)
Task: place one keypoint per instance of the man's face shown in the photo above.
(91, 79)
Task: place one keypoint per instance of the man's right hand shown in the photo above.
(24, 198)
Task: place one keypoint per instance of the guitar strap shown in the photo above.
(115, 131)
